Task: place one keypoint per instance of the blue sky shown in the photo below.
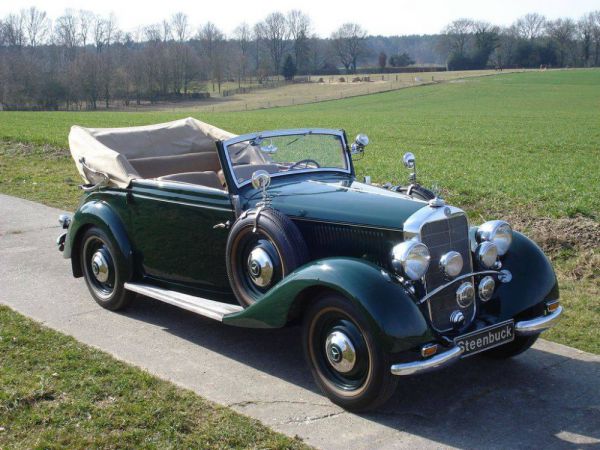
(377, 16)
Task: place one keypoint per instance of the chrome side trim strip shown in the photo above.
(462, 277)
(427, 365)
(207, 308)
(539, 324)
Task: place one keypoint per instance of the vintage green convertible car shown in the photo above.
(271, 229)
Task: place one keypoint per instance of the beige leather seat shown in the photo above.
(156, 166)
(207, 178)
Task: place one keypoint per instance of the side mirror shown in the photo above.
(410, 163)
(358, 147)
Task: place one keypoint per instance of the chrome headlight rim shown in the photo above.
(487, 254)
(411, 258)
(451, 263)
(497, 231)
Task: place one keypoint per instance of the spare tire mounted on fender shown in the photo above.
(260, 252)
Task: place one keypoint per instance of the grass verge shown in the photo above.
(59, 393)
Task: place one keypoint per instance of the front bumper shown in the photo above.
(453, 354)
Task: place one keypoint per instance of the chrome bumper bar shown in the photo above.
(522, 328)
(539, 324)
(427, 365)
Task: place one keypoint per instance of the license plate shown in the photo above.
(487, 338)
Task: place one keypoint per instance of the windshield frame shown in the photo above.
(289, 132)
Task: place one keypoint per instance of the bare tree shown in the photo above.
(562, 32)
(211, 39)
(86, 24)
(299, 28)
(242, 35)
(65, 30)
(458, 34)
(37, 26)
(276, 33)
(349, 44)
(180, 26)
(531, 26)
(14, 30)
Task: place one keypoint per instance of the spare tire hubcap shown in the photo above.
(260, 267)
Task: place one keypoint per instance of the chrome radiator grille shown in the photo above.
(442, 236)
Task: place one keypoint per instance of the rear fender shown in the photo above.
(100, 214)
(394, 318)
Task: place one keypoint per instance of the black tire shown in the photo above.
(514, 348)
(97, 251)
(277, 237)
(368, 383)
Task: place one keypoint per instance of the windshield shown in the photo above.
(304, 151)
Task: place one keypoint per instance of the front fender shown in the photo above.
(533, 278)
(98, 213)
(393, 315)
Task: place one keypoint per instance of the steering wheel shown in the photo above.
(306, 162)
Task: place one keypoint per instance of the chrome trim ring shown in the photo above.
(260, 267)
(100, 267)
(340, 352)
(427, 365)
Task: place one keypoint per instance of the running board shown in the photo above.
(204, 307)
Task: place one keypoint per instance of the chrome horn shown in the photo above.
(358, 147)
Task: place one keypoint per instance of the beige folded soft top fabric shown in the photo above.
(109, 150)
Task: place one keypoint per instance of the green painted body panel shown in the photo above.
(172, 230)
(336, 198)
(393, 314)
(533, 279)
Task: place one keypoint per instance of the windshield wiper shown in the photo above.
(302, 136)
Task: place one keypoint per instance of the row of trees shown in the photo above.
(83, 60)
(531, 41)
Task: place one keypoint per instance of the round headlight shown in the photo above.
(486, 288)
(411, 258)
(498, 232)
(487, 252)
(451, 263)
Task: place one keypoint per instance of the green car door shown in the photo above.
(178, 232)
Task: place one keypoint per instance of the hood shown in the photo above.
(340, 200)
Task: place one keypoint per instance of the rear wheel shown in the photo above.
(100, 261)
(346, 361)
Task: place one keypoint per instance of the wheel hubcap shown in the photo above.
(340, 352)
(260, 267)
(100, 267)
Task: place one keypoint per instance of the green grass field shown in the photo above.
(528, 141)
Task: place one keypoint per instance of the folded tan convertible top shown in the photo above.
(108, 150)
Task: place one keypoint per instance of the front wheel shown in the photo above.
(346, 360)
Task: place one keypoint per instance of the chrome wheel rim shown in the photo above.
(260, 267)
(99, 268)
